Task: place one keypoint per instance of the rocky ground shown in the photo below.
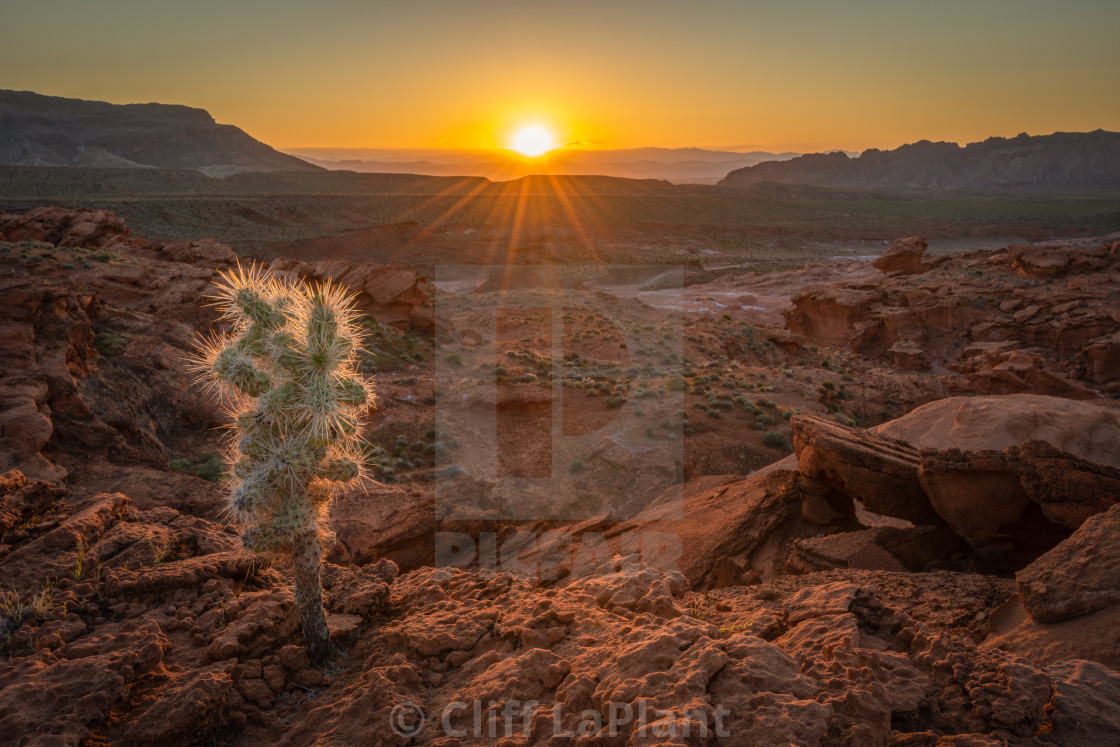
(893, 489)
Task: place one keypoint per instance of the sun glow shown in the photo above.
(533, 141)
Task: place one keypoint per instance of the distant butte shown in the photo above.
(1046, 163)
(37, 130)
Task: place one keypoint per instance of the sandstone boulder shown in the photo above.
(1086, 430)
(878, 471)
(908, 355)
(391, 293)
(1017, 372)
(1051, 259)
(22, 502)
(1083, 704)
(1055, 470)
(1038, 261)
(385, 521)
(1102, 359)
(903, 257)
(1090, 636)
(1017, 502)
(1080, 575)
(828, 315)
(1012, 475)
(713, 523)
(66, 227)
(206, 252)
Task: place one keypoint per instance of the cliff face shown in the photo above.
(38, 130)
(1060, 162)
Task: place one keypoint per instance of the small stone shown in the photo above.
(294, 658)
(249, 670)
(309, 677)
(1026, 314)
(256, 691)
(274, 676)
(342, 626)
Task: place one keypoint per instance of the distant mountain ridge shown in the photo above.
(38, 130)
(679, 165)
(1060, 162)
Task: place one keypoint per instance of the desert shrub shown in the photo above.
(436, 450)
(777, 440)
(208, 467)
(108, 344)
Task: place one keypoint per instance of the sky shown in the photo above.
(797, 75)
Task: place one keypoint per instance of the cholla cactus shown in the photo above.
(287, 371)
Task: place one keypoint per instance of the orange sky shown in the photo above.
(798, 75)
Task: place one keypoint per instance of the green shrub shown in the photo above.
(208, 467)
(436, 450)
(777, 440)
(108, 344)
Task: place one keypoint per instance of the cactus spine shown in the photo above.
(287, 373)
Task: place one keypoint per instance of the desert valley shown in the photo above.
(821, 451)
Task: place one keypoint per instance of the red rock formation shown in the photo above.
(1086, 430)
(944, 317)
(878, 471)
(392, 293)
(66, 227)
(905, 257)
(1052, 260)
(1102, 359)
(1079, 576)
(1053, 466)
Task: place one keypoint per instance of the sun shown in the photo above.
(533, 141)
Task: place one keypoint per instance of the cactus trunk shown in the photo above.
(309, 597)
